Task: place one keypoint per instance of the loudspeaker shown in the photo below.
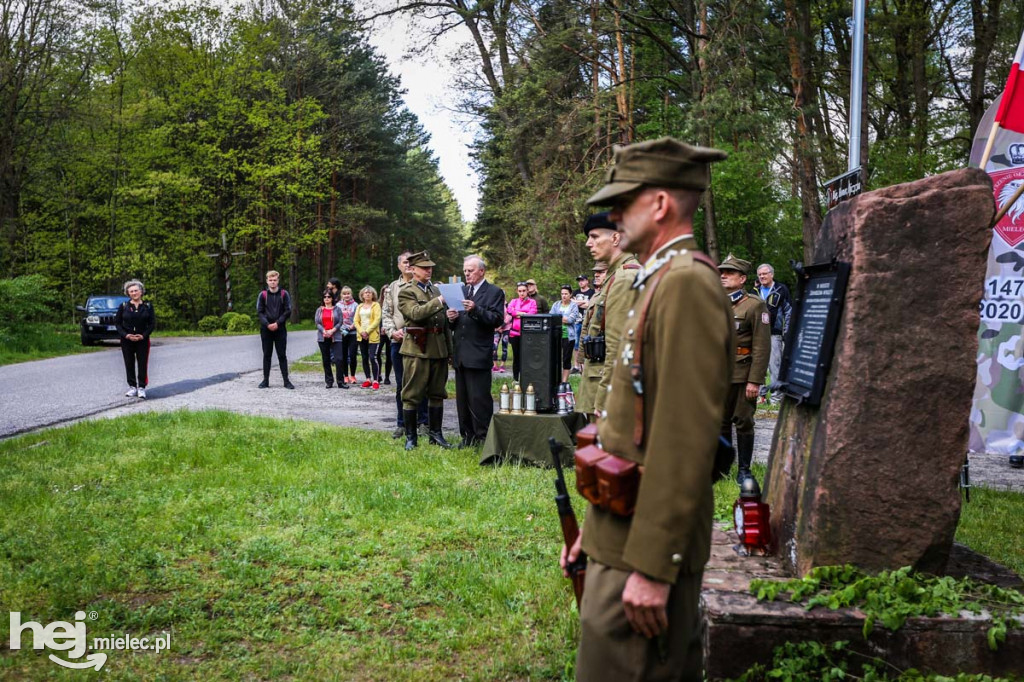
(541, 347)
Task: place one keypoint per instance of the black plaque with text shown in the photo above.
(811, 337)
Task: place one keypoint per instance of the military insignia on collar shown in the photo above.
(656, 264)
(764, 318)
(737, 295)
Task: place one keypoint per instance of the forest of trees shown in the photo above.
(557, 83)
(133, 134)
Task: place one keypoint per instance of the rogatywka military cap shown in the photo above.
(598, 220)
(731, 262)
(665, 162)
(600, 266)
(421, 259)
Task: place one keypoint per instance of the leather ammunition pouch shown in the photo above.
(603, 479)
(419, 337)
(593, 348)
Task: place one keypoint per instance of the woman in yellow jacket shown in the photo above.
(368, 333)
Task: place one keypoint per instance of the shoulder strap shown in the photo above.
(636, 370)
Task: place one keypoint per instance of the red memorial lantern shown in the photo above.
(752, 517)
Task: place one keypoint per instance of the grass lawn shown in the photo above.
(282, 549)
(279, 549)
(40, 341)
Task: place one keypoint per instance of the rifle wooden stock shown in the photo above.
(570, 528)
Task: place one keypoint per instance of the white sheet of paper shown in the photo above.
(453, 296)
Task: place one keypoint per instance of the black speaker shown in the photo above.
(541, 347)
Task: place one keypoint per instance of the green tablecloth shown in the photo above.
(518, 436)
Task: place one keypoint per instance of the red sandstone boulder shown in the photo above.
(870, 477)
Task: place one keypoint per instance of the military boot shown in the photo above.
(411, 437)
(745, 454)
(724, 455)
(434, 415)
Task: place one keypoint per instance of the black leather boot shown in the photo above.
(411, 437)
(724, 456)
(745, 454)
(434, 415)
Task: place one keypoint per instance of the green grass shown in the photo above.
(990, 524)
(282, 549)
(38, 341)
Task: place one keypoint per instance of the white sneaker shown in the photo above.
(142, 392)
(131, 392)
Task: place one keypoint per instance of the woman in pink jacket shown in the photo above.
(516, 308)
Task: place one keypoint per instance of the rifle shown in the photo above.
(570, 529)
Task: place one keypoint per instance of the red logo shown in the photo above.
(1004, 183)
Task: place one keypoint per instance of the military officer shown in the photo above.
(639, 615)
(605, 244)
(591, 328)
(753, 350)
(425, 351)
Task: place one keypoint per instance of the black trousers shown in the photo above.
(384, 355)
(328, 357)
(349, 346)
(274, 340)
(371, 365)
(516, 362)
(474, 402)
(567, 348)
(136, 353)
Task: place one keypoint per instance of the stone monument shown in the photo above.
(870, 476)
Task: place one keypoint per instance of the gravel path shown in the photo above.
(990, 471)
(368, 409)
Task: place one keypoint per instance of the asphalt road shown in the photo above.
(47, 392)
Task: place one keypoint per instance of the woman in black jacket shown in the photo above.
(135, 321)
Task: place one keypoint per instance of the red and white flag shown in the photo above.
(1011, 109)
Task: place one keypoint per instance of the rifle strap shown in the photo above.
(636, 367)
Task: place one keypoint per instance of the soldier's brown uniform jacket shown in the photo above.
(753, 340)
(591, 370)
(424, 309)
(617, 297)
(687, 359)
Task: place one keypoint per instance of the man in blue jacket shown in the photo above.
(780, 308)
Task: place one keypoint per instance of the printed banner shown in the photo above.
(997, 415)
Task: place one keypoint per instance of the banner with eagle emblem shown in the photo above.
(997, 415)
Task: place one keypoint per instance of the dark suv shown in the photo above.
(98, 323)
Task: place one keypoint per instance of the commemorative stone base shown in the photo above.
(870, 476)
(738, 631)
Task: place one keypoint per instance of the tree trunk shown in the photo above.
(798, 25)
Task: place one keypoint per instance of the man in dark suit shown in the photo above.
(474, 337)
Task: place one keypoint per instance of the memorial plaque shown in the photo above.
(811, 337)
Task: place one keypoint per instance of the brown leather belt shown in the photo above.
(743, 351)
(433, 330)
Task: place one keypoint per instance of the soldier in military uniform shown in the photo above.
(639, 615)
(753, 350)
(605, 244)
(425, 350)
(591, 329)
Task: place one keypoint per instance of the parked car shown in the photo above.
(98, 323)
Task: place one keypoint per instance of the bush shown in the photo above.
(210, 323)
(241, 323)
(24, 299)
(226, 318)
